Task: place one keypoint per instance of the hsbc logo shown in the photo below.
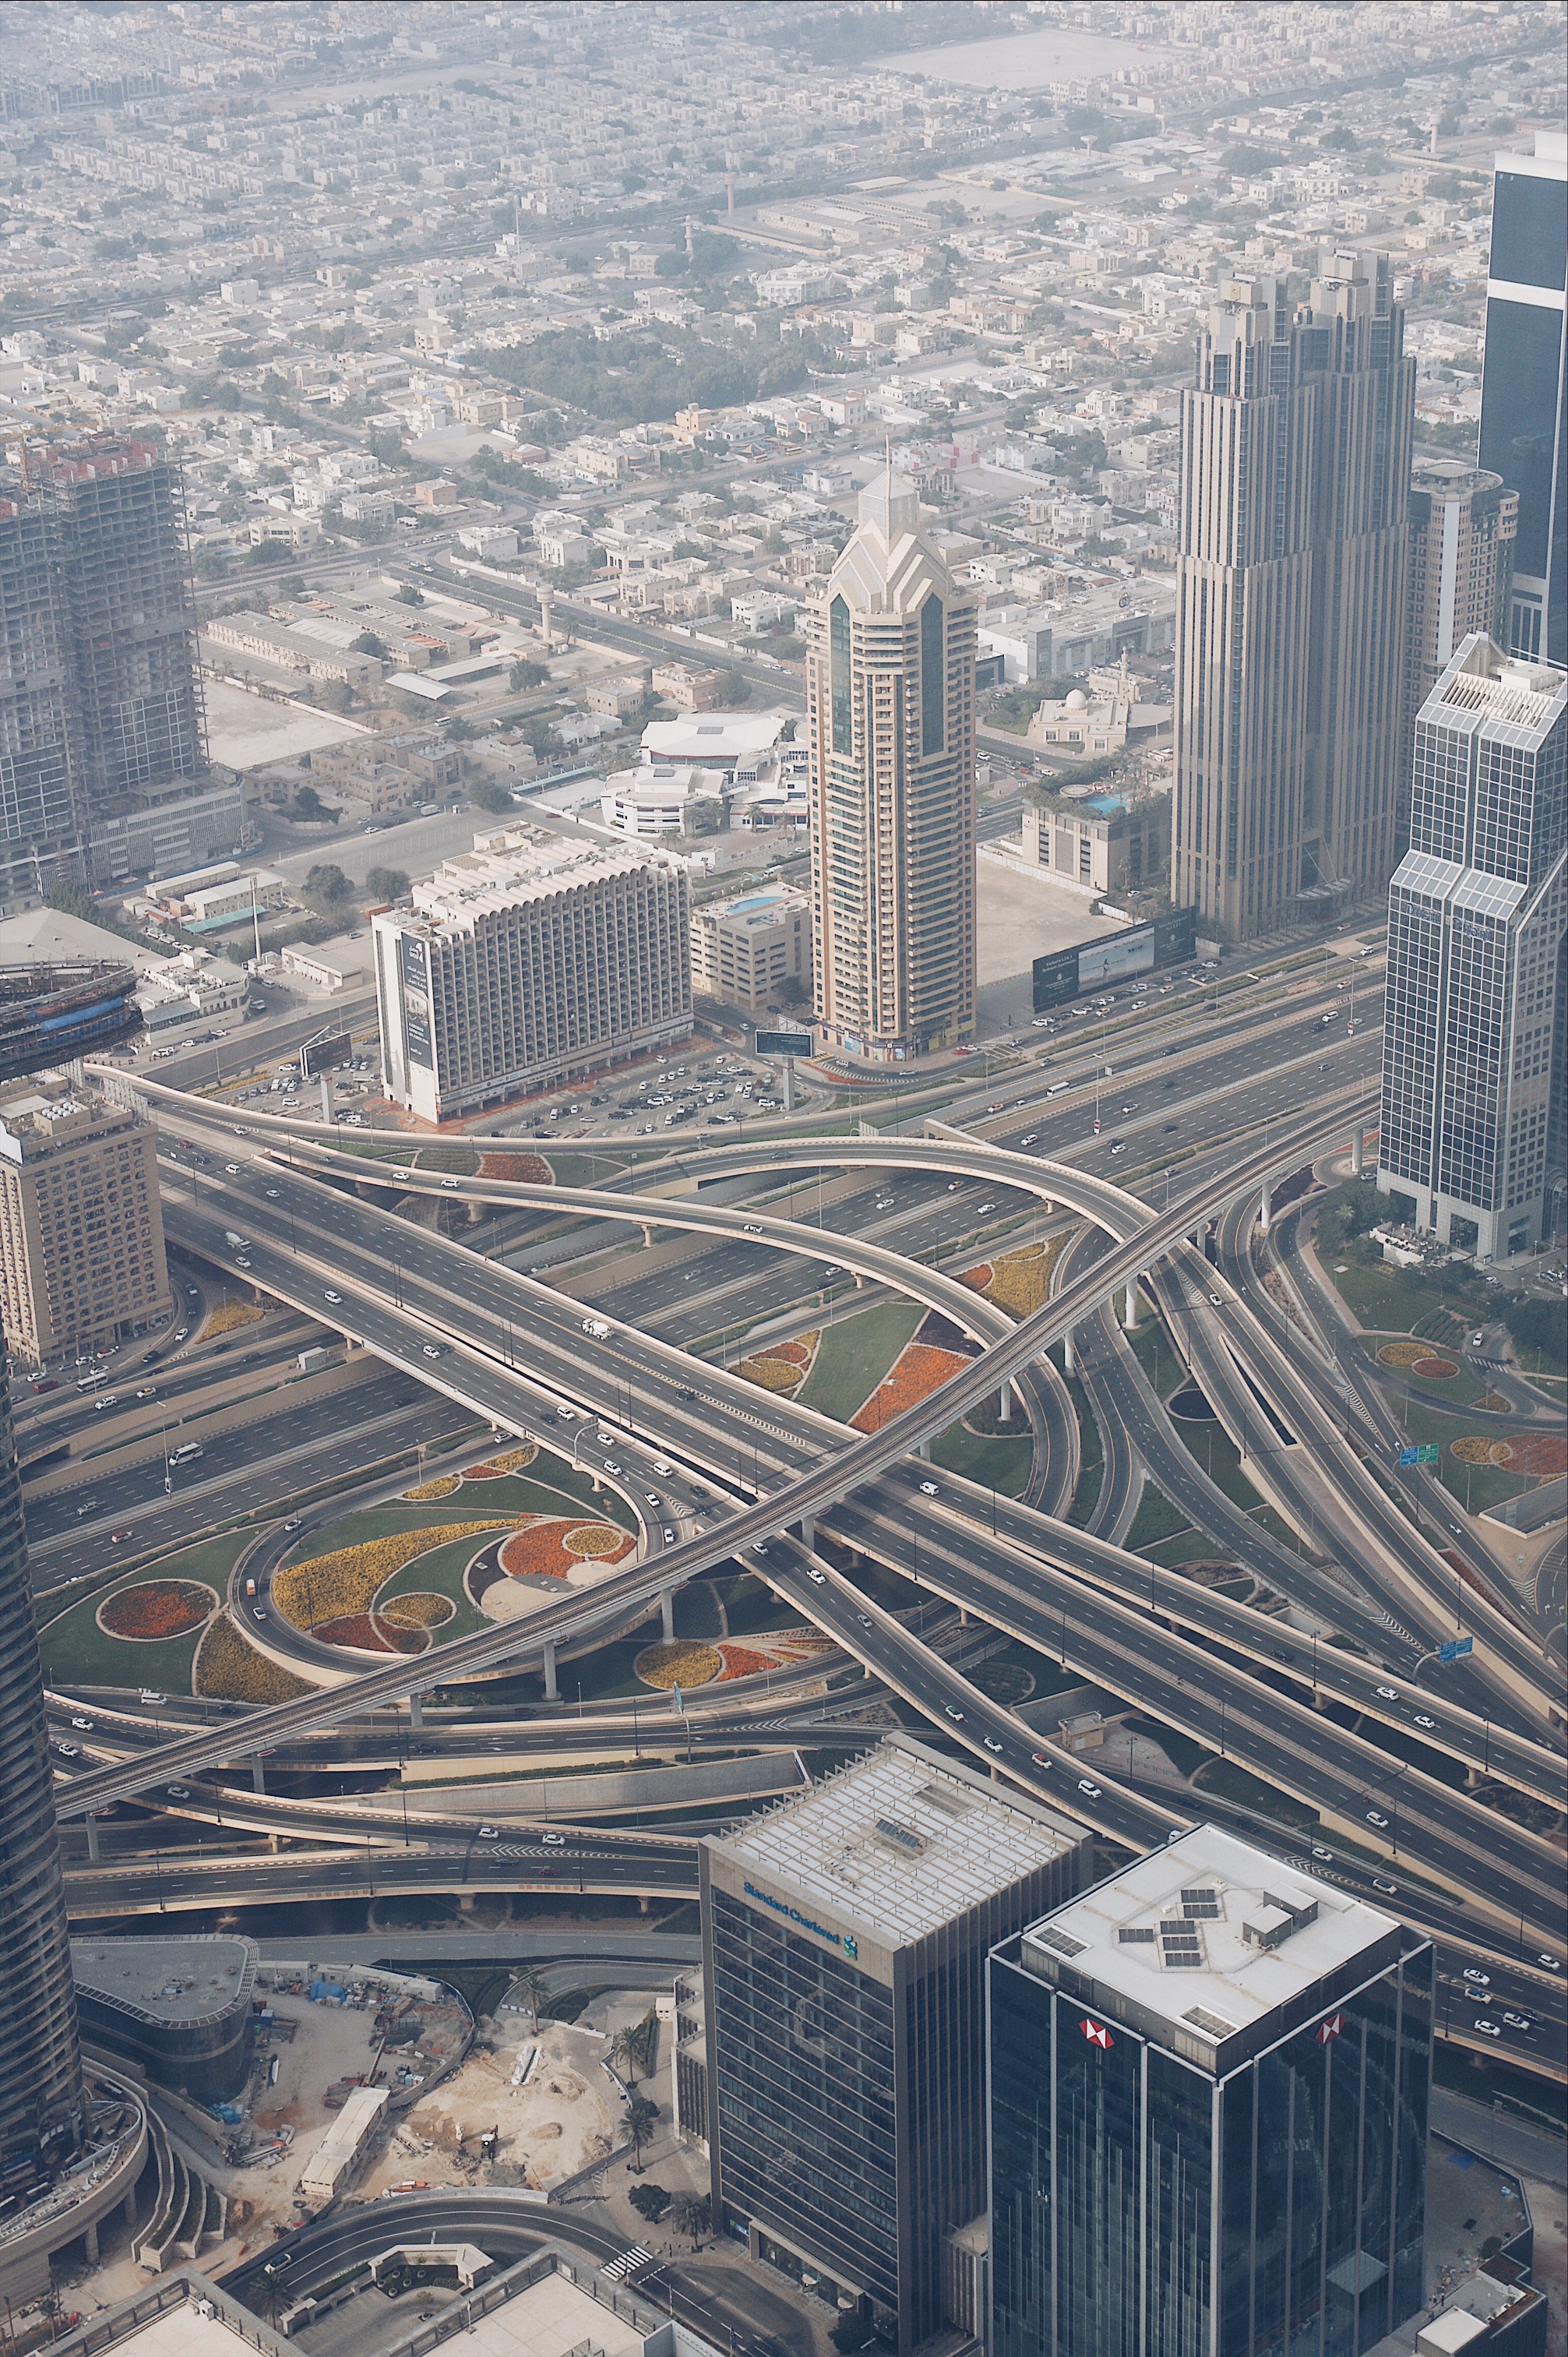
(1330, 2029)
(1097, 2034)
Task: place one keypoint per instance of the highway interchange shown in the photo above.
(1368, 1573)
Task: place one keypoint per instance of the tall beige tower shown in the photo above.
(1462, 527)
(890, 692)
(1291, 624)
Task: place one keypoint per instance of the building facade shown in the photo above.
(844, 1937)
(1291, 569)
(180, 2011)
(1209, 2090)
(526, 962)
(1524, 396)
(1103, 845)
(1471, 1119)
(1462, 525)
(42, 2103)
(101, 719)
(82, 1231)
(744, 950)
(890, 694)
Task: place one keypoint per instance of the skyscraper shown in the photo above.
(103, 753)
(1209, 2087)
(890, 692)
(1462, 525)
(1524, 399)
(1290, 638)
(1473, 994)
(844, 1937)
(42, 2105)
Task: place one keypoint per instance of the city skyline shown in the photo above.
(783, 1176)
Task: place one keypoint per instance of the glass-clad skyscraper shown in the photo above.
(1209, 2085)
(1472, 1113)
(845, 1939)
(1524, 386)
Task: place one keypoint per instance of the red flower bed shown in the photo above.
(1544, 1453)
(917, 1371)
(366, 1633)
(156, 1609)
(522, 1169)
(740, 1662)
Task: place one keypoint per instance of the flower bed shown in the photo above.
(417, 1609)
(155, 1609)
(344, 1582)
(229, 1316)
(1402, 1354)
(917, 1371)
(363, 1632)
(444, 1486)
(523, 1169)
(1020, 1280)
(1435, 1370)
(552, 1546)
(782, 1367)
(1544, 1454)
(511, 1460)
(1475, 1449)
(596, 1541)
(679, 1665)
(230, 1668)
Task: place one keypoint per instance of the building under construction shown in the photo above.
(103, 770)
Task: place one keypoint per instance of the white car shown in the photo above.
(597, 1327)
(1480, 1979)
(330, 1296)
(669, 1538)
(488, 1833)
(1092, 1790)
(930, 1489)
(555, 1841)
(1375, 1818)
(1487, 2028)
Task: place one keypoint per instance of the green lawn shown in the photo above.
(1155, 1519)
(1250, 1792)
(1091, 1456)
(76, 1652)
(853, 1355)
(1160, 1363)
(996, 1463)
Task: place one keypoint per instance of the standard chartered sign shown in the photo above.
(849, 1947)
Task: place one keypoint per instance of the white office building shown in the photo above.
(528, 962)
(1471, 1120)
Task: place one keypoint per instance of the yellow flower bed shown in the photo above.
(420, 1609)
(1402, 1354)
(594, 1539)
(231, 1314)
(1020, 1280)
(330, 1586)
(771, 1374)
(678, 1666)
(229, 1667)
(1474, 1450)
(441, 1486)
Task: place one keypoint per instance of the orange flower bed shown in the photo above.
(525, 1169)
(740, 1662)
(1542, 1453)
(156, 1608)
(552, 1546)
(917, 1371)
(799, 1353)
(978, 1277)
(1435, 1369)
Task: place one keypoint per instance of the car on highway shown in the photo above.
(1042, 1759)
(233, 1168)
(84, 1724)
(115, 1537)
(1486, 2029)
(953, 1712)
(488, 1833)
(437, 1350)
(90, 1507)
(1116, 1145)
(1218, 1300)
(1553, 1963)
(450, 1183)
(182, 1334)
(258, 1612)
(930, 1489)
(1389, 1889)
(1389, 1693)
(1325, 1856)
(611, 1467)
(566, 1414)
(69, 1750)
(760, 1548)
(669, 1537)
(990, 1743)
(294, 1524)
(662, 1469)
(1421, 1720)
(110, 1399)
(831, 1268)
(334, 1298)
(148, 1391)
(1477, 1340)
(815, 1577)
(652, 1498)
(554, 1841)
(865, 1619)
(177, 1792)
(1093, 1790)
(1376, 1817)
(272, 1194)
(1478, 1978)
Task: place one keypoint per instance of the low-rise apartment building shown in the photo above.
(744, 949)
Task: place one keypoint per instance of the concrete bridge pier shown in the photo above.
(1357, 1147)
(551, 1687)
(259, 1773)
(809, 1530)
(91, 1823)
(1070, 1356)
(667, 1614)
(1266, 1208)
(415, 1711)
(1004, 1404)
(1129, 1308)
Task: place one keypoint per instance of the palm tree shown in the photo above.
(690, 2214)
(640, 2116)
